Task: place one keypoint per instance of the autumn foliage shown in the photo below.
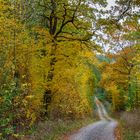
(49, 65)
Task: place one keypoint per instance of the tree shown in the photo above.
(16, 52)
(124, 64)
(66, 21)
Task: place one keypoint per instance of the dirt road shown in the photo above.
(101, 130)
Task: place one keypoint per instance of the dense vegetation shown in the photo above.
(52, 61)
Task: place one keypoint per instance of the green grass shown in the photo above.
(55, 130)
(130, 122)
(130, 135)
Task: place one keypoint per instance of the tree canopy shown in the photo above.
(55, 55)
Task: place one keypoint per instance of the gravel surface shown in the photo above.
(101, 130)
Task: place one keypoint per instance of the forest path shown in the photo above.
(101, 130)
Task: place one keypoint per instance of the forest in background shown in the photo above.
(56, 55)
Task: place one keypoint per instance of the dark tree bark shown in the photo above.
(57, 26)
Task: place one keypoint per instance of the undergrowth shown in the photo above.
(131, 125)
(56, 130)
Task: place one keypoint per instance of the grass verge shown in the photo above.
(55, 130)
(130, 135)
(131, 125)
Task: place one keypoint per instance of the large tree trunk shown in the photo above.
(48, 92)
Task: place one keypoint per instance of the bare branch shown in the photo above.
(64, 23)
(125, 10)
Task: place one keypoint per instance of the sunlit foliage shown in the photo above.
(49, 65)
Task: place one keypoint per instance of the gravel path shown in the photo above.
(102, 130)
